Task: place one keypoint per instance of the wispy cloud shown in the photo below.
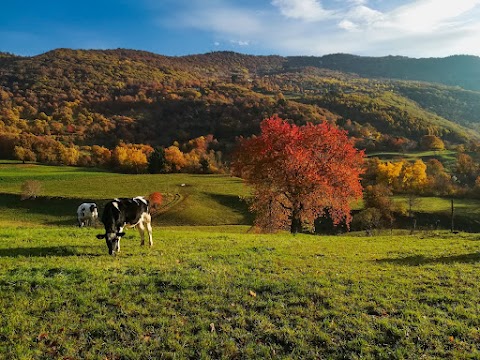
(308, 10)
(217, 17)
(429, 15)
(313, 27)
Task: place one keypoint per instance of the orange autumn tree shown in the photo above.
(299, 173)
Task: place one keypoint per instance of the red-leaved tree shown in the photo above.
(299, 173)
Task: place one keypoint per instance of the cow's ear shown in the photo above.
(101, 236)
(121, 234)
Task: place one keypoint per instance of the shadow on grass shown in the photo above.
(62, 208)
(236, 204)
(417, 260)
(42, 251)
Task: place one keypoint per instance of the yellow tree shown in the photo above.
(24, 154)
(414, 180)
(69, 155)
(175, 159)
(388, 173)
(131, 158)
(414, 176)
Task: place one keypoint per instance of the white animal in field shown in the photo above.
(125, 212)
(87, 214)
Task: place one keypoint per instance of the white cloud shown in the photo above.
(225, 21)
(359, 17)
(347, 25)
(240, 42)
(305, 27)
(428, 15)
(308, 10)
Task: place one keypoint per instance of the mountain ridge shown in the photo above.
(104, 97)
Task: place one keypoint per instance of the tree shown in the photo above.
(380, 197)
(24, 154)
(414, 177)
(174, 158)
(466, 169)
(368, 219)
(156, 161)
(299, 173)
(439, 181)
(131, 158)
(388, 173)
(432, 142)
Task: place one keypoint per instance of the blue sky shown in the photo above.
(415, 28)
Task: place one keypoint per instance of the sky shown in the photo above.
(414, 28)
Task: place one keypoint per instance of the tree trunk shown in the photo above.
(296, 225)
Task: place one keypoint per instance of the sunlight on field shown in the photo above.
(266, 295)
(211, 288)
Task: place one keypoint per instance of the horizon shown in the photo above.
(238, 52)
(374, 28)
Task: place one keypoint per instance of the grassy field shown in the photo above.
(216, 291)
(206, 294)
(447, 157)
(201, 200)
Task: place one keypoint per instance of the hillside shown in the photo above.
(104, 97)
(458, 70)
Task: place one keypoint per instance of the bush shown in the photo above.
(368, 219)
(30, 189)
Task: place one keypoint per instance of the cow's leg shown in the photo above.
(141, 231)
(120, 231)
(148, 221)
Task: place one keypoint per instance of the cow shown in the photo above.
(125, 212)
(87, 214)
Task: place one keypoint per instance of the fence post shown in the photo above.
(452, 227)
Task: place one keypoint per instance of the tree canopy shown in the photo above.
(299, 173)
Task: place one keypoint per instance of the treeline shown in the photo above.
(195, 156)
(460, 70)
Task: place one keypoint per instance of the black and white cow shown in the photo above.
(125, 212)
(87, 214)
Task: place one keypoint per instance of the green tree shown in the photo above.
(156, 161)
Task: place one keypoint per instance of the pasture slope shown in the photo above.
(215, 291)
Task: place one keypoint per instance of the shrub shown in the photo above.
(30, 189)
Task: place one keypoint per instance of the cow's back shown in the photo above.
(133, 209)
(124, 211)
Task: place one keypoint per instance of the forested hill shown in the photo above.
(458, 70)
(104, 97)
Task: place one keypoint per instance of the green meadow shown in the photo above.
(446, 157)
(212, 289)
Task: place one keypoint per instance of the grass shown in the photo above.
(202, 200)
(209, 289)
(267, 296)
(447, 157)
(430, 209)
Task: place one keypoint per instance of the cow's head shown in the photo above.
(94, 210)
(112, 240)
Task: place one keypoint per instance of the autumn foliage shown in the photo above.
(299, 173)
(155, 199)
